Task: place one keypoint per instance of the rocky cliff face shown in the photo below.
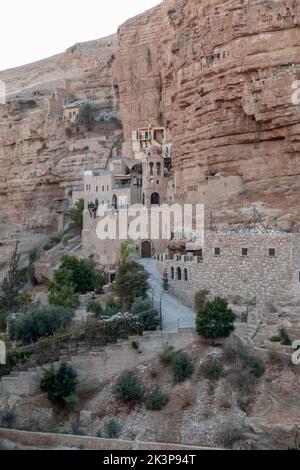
(219, 75)
(41, 157)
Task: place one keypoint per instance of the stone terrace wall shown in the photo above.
(12, 438)
(231, 274)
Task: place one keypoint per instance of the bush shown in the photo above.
(77, 431)
(60, 385)
(215, 320)
(62, 290)
(183, 367)
(83, 273)
(145, 314)
(167, 355)
(87, 115)
(53, 241)
(212, 368)
(229, 435)
(284, 337)
(131, 282)
(156, 400)
(76, 214)
(254, 365)
(7, 417)
(112, 429)
(233, 349)
(95, 307)
(135, 345)
(129, 388)
(39, 321)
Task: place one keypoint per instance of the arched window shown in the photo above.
(179, 274)
(151, 168)
(185, 274)
(172, 273)
(143, 199)
(115, 201)
(155, 199)
(158, 168)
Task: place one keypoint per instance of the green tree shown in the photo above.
(131, 282)
(76, 214)
(9, 289)
(144, 313)
(62, 290)
(39, 321)
(60, 385)
(86, 116)
(83, 273)
(215, 320)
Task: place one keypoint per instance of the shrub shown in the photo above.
(229, 435)
(233, 349)
(212, 367)
(87, 115)
(241, 379)
(99, 433)
(131, 282)
(129, 388)
(9, 287)
(60, 385)
(200, 299)
(39, 321)
(254, 365)
(145, 314)
(62, 290)
(7, 417)
(215, 320)
(135, 345)
(112, 429)
(76, 214)
(77, 431)
(284, 337)
(95, 307)
(156, 400)
(53, 241)
(167, 354)
(83, 273)
(183, 367)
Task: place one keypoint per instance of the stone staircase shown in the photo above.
(96, 364)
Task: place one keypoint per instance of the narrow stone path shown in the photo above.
(174, 314)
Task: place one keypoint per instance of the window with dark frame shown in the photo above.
(217, 251)
(244, 251)
(272, 252)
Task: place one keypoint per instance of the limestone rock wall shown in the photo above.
(219, 75)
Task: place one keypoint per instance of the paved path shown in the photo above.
(174, 313)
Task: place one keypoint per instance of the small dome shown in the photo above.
(153, 149)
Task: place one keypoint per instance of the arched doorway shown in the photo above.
(154, 199)
(146, 249)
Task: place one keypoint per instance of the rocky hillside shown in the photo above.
(40, 159)
(219, 75)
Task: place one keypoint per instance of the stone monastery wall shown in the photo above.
(265, 266)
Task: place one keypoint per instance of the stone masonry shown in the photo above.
(264, 266)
